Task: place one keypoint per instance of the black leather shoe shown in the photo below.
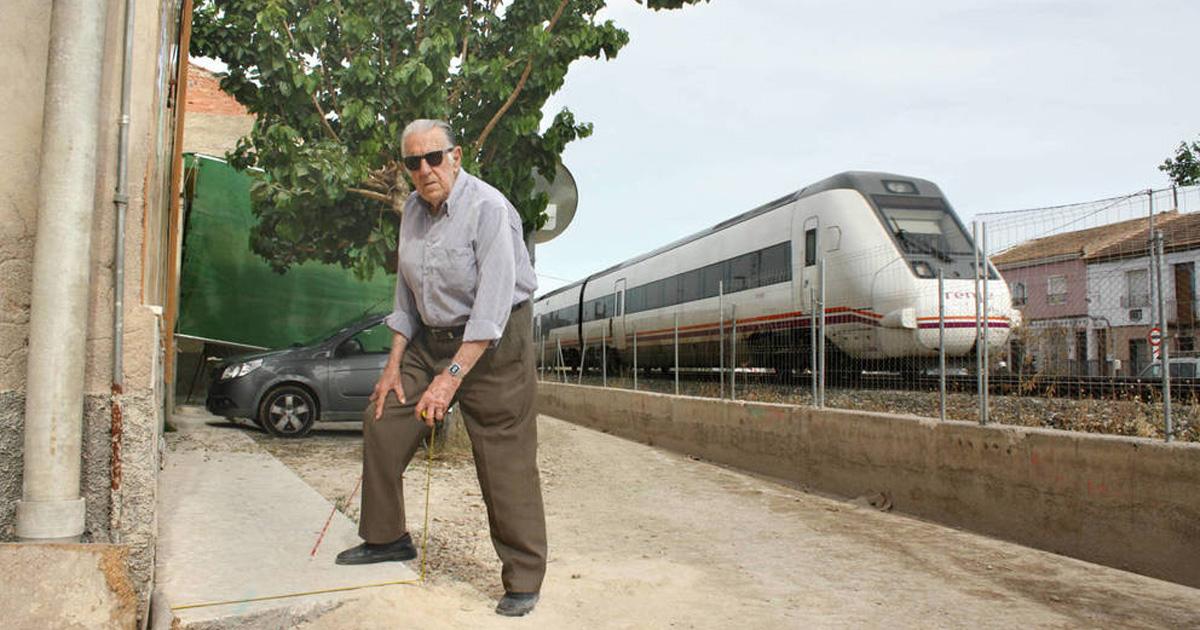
(367, 553)
(516, 604)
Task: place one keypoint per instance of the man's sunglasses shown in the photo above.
(413, 162)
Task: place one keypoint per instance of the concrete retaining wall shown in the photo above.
(1128, 503)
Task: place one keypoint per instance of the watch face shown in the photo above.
(454, 369)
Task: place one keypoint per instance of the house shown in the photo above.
(1123, 295)
(88, 244)
(1048, 280)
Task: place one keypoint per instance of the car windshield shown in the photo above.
(1179, 369)
(330, 332)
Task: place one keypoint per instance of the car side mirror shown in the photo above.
(349, 347)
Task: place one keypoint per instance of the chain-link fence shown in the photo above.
(1067, 327)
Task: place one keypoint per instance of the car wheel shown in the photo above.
(288, 411)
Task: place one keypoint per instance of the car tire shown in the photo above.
(288, 411)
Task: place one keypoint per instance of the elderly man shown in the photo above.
(461, 331)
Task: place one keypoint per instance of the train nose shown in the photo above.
(961, 332)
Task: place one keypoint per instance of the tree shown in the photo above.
(1184, 168)
(332, 84)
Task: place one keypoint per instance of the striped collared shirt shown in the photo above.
(467, 265)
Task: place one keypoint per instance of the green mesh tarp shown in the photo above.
(229, 294)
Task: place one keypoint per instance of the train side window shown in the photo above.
(692, 286)
(620, 301)
(710, 277)
(776, 264)
(653, 295)
(742, 272)
(810, 247)
(670, 291)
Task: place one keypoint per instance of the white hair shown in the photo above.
(421, 125)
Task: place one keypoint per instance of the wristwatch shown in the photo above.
(455, 370)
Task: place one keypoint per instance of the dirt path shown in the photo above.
(641, 538)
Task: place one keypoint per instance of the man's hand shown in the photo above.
(436, 399)
(389, 381)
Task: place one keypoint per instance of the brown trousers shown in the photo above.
(497, 403)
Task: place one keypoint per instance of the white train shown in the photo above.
(883, 239)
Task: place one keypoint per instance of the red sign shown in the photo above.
(1155, 336)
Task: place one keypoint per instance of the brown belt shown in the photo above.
(456, 332)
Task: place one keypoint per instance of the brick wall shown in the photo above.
(204, 95)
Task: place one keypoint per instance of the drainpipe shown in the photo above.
(51, 505)
(121, 203)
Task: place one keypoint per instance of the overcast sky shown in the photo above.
(1005, 104)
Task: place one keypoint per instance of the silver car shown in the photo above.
(285, 391)
(1181, 367)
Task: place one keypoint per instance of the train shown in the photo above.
(881, 239)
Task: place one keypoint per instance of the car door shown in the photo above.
(354, 368)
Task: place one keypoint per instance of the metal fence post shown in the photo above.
(582, 355)
(987, 323)
(1165, 344)
(635, 366)
(812, 345)
(978, 329)
(821, 338)
(562, 364)
(721, 338)
(676, 353)
(733, 351)
(942, 344)
(604, 357)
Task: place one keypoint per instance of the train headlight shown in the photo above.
(923, 269)
(900, 187)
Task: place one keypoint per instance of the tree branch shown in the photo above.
(372, 195)
(420, 32)
(456, 93)
(512, 98)
(325, 121)
(287, 28)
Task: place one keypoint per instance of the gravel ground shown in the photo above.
(641, 538)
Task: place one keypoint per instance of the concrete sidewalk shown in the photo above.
(236, 528)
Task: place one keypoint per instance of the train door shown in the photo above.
(809, 256)
(617, 322)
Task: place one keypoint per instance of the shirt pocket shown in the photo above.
(454, 271)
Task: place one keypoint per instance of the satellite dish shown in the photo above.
(564, 198)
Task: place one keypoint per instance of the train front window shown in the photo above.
(927, 232)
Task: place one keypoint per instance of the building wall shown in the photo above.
(1107, 284)
(125, 515)
(1037, 305)
(1048, 330)
(215, 120)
